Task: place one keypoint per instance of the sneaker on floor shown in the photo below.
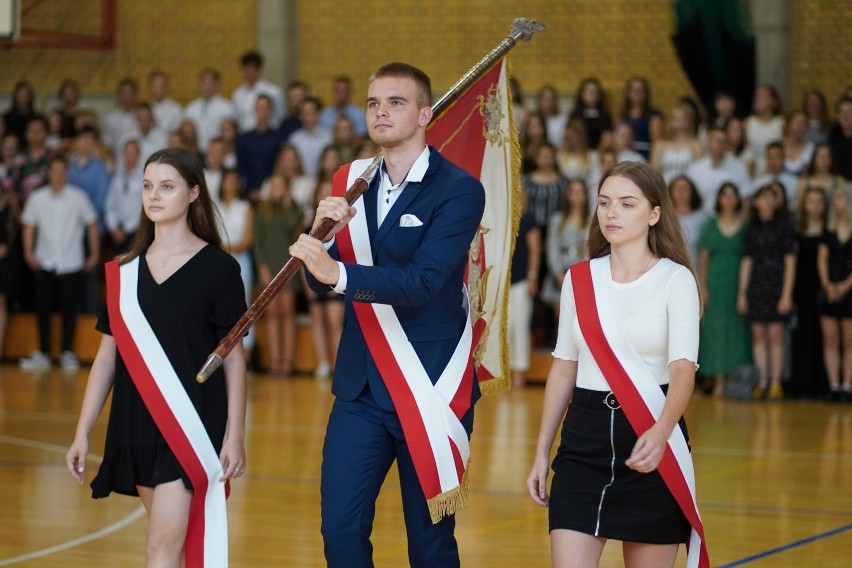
(36, 361)
(68, 361)
(775, 393)
(323, 370)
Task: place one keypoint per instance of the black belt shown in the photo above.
(600, 400)
(596, 400)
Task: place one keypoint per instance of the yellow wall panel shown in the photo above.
(821, 48)
(178, 37)
(610, 39)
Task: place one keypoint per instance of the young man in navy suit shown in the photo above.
(403, 379)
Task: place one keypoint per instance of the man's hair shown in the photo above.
(252, 58)
(210, 71)
(406, 71)
(842, 101)
(60, 158)
(90, 130)
(314, 101)
(128, 82)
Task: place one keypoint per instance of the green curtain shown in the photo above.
(715, 42)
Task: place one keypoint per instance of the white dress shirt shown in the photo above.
(124, 200)
(167, 115)
(208, 114)
(60, 220)
(245, 97)
(709, 177)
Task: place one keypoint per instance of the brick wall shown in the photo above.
(821, 39)
(178, 37)
(611, 39)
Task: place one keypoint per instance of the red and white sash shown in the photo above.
(635, 389)
(430, 414)
(174, 414)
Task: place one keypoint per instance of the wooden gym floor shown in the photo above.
(774, 483)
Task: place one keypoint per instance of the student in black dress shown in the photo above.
(8, 233)
(190, 294)
(808, 376)
(834, 261)
(767, 275)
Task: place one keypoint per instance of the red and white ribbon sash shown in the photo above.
(174, 414)
(635, 388)
(429, 414)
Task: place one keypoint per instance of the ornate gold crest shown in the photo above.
(491, 109)
(477, 283)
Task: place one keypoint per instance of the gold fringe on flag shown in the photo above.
(503, 383)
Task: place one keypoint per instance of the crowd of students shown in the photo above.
(761, 196)
(71, 185)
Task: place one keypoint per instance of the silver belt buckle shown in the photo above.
(611, 402)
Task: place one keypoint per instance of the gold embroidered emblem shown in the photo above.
(491, 109)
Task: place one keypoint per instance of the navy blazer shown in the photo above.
(417, 270)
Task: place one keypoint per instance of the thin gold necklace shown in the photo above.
(164, 262)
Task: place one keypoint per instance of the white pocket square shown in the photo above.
(409, 220)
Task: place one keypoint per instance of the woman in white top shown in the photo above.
(606, 483)
(687, 202)
(671, 156)
(574, 158)
(798, 151)
(566, 240)
(766, 125)
(237, 218)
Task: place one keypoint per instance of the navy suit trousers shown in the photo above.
(362, 441)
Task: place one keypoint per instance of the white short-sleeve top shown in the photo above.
(659, 313)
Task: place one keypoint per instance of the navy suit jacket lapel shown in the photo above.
(371, 210)
(408, 195)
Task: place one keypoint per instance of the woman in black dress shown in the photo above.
(767, 274)
(7, 240)
(190, 294)
(808, 375)
(835, 273)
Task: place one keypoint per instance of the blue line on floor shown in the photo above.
(793, 544)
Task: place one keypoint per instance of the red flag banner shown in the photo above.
(478, 134)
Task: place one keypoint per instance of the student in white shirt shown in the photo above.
(312, 138)
(716, 168)
(210, 109)
(245, 96)
(124, 199)
(121, 121)
(167, 113)
(56, 219)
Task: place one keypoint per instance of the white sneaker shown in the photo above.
(323, 370)
(37, 361)
(69, 361)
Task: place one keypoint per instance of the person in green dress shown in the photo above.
(725, 343)
(277, 226)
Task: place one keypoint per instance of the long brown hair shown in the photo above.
(201, 216)
(665, 238)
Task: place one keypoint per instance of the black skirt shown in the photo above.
(595, 493)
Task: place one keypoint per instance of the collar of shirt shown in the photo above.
(389, 193)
